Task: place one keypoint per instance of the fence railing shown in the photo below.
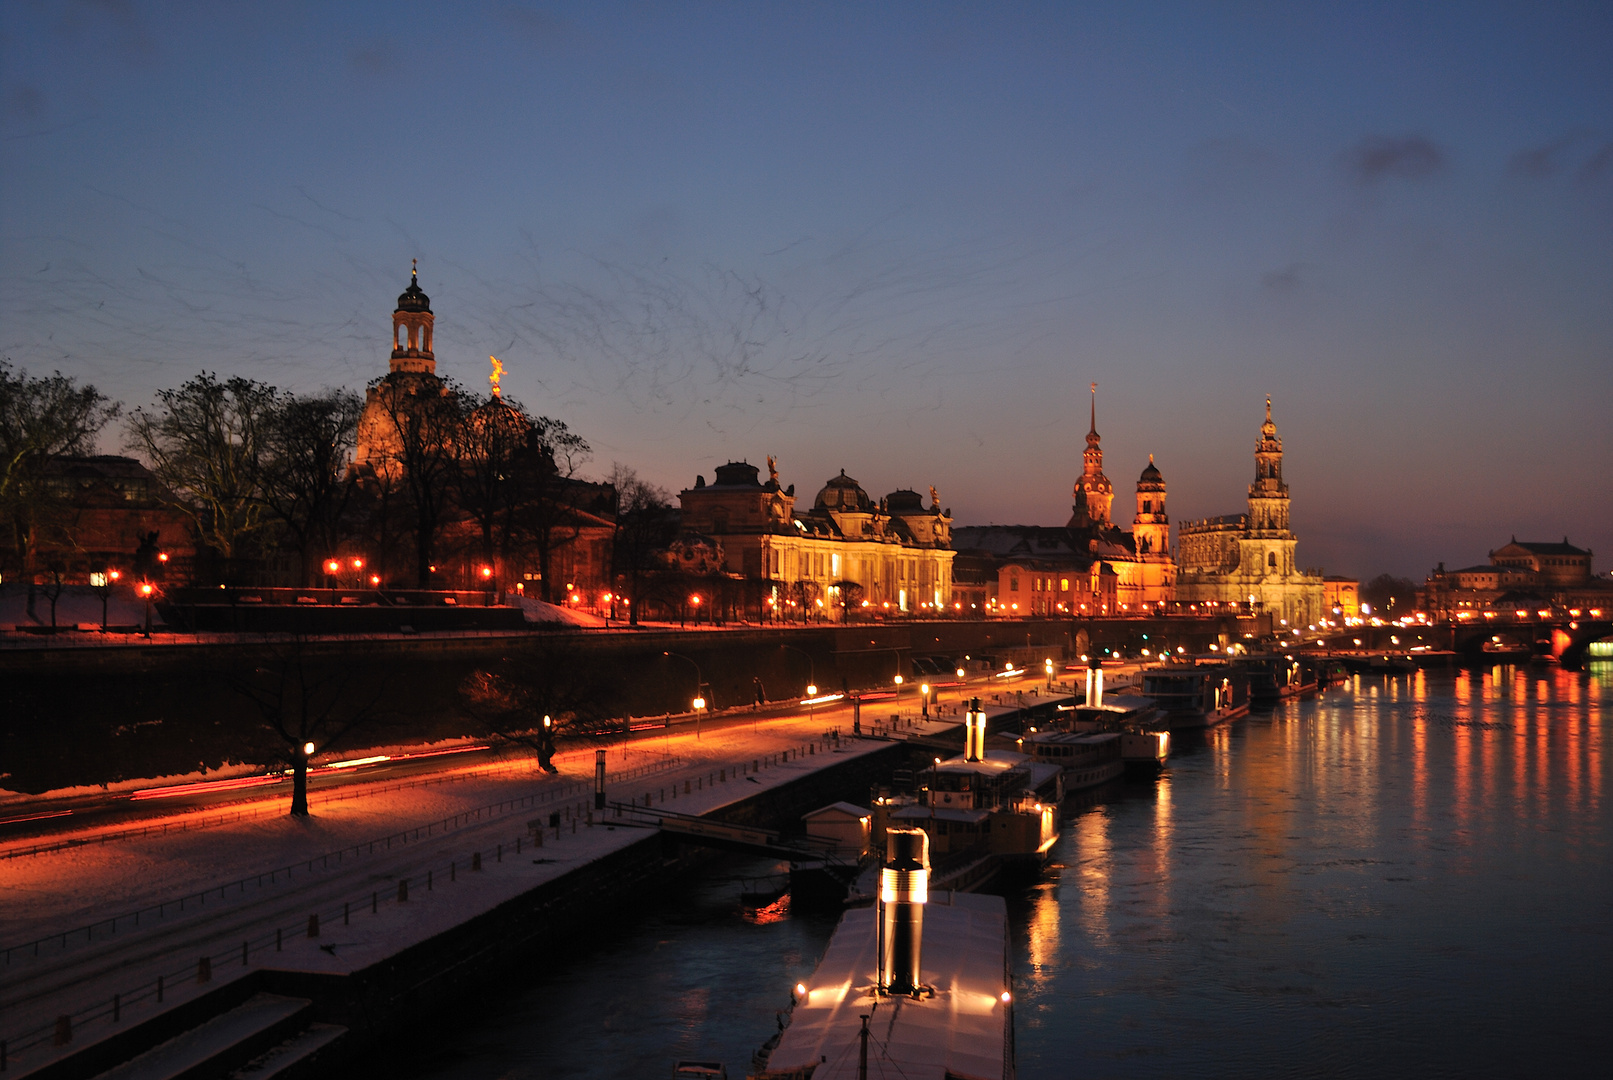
(273, 875)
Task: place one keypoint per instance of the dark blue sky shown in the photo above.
(895, 239)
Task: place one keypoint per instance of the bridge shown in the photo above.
(1561, 635)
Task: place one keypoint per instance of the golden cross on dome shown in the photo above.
(498, 370)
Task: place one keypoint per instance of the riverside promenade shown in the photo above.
(96, 941)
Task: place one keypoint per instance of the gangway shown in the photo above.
(722, 834)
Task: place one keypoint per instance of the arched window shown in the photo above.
(1271, 559)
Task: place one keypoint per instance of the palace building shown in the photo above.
(1091, 566)
(1521, 574)
(845, 553)
(1249, 558)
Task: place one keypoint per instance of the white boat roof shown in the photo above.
(849, 809)
(959, 1032)
(995, 761)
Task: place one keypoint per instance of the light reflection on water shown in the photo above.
(1410, 876)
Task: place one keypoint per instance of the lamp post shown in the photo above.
(924, 700)
(898, 681)
(699, 702)
(103, 582)
(145, 593)
(1048, 664)
(333, 568)
(487, 580)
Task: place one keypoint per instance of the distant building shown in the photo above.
(111, 513)
(1249, 558)
(1520, 574)
(1341, 596)
(845, 553)
(1024, 570)
(1089, 567)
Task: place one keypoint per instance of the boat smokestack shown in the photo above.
(974, 732)
(1095, 683)
(904, 887)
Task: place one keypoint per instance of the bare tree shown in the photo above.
(41, 419)
(549, 464)
(309, 701)
(206, 441)
(644, 528)
(537, 697)
(493, 482)
(304, 476)
(427, 416)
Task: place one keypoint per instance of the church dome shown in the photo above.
(843, 493)
(413, 298)
(1151, 476)
(498, 413)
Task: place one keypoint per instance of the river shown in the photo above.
(1409, 876)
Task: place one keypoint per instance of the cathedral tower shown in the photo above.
(412, 328)
(1268, 495)
(1094, 495)
(1151, 528)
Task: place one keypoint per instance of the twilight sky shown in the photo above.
(895, 239)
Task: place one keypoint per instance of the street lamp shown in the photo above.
(699, 684)
(145, 592)
(924, 700)
(812, 666)
(1048, 664)
(899, 691)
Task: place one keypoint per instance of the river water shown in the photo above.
(1409, 876)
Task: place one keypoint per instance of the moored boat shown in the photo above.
(1087, 758)
(1198, 695)
(917, 985)
(1279, 677)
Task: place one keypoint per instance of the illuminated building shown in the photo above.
(1091, 566)
(1243, 558)
(845, 553)
(1522, 575)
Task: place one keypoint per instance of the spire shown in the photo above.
(1092, 434)
(414, 271)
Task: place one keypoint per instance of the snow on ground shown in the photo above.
(536, 610)
(223, 772)
(56, 894)
(77, 604)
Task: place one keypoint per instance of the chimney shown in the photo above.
(974, 732)
(1095, 682)
(904, 887)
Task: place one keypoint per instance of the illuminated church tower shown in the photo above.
(411, 329)
(411, 378)
(1094, 495)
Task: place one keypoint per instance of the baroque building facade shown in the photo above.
(1521, 574)
(844, 554)
(1089, 567)
(1249, 558)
